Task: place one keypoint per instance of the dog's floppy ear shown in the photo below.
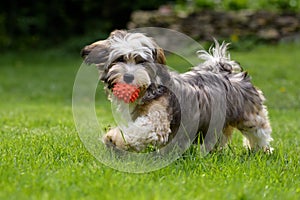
(96, 53)
(160, 56)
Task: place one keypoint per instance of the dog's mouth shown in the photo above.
(129, 93)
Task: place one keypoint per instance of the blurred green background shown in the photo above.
(73, 23)
(37, 24)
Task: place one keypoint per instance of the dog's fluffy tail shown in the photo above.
(217, 59)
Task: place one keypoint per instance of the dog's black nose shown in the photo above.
(128, 78)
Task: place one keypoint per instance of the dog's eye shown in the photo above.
(120, 59)
(140, 60)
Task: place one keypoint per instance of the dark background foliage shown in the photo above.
(36, 24)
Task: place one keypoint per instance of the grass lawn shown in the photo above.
(42, 157)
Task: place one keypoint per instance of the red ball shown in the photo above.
(127, 93)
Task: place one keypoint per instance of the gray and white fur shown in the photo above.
(169, 99)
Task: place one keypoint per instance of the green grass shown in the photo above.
(42, 157)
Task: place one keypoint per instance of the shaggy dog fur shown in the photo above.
(168, 99)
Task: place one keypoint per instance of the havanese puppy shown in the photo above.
(162, 102)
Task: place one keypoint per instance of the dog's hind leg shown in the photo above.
(257, 131)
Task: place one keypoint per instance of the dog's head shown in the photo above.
(131, 58)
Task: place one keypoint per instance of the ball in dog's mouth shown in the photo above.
(126, 92)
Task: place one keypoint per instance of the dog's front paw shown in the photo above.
(113, 138)
(268, 150)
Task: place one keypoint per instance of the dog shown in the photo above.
(169, 102)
